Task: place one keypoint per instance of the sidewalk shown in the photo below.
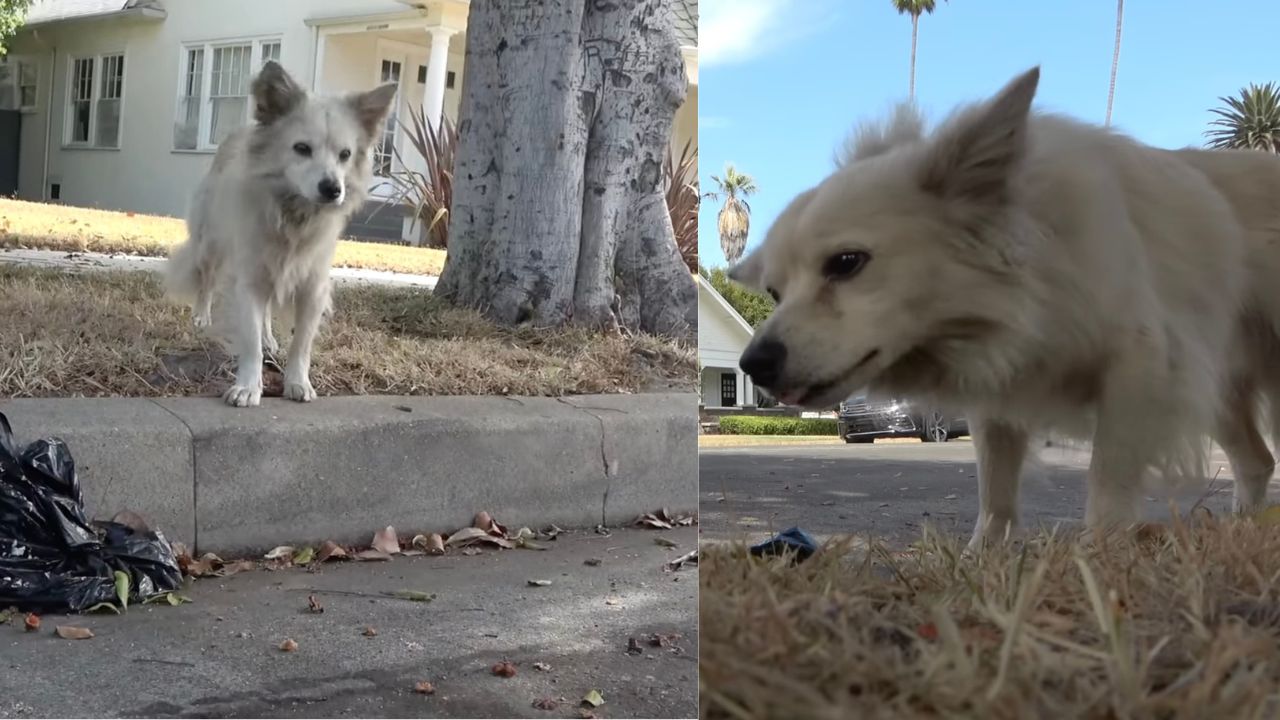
(235, 481)
(79, 262)
(219, 656)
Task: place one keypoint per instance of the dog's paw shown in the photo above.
(241, 396)
(203, 320)
(300, 391)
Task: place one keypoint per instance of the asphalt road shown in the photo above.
(219, 657)
(890, 490)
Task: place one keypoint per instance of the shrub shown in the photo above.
(754, 307)
(429, 196)
(683, 200)
(752, 425)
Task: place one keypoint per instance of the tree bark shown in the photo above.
(1115, 61)
(559, 209)
(915, 31)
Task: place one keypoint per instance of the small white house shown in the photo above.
(722, 336)
(123, 102)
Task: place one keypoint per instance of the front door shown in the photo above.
(728, 389)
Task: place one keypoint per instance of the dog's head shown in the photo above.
(316, 149)
(893, 262)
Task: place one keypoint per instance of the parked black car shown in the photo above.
(860, 420)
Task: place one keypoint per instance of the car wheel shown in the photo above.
(936, 428)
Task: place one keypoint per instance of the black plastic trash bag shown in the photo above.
(52, 559)
(790, 540)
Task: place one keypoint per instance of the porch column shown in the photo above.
(741, 378)
(432, 109)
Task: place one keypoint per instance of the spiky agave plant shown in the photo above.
(429, 194)
(1250, 121)
(683, 200)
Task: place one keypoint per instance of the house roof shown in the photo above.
(49, 11)
(686, 12)
(719, 300)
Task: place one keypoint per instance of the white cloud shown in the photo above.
(732, 31)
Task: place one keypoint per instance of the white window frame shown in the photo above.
(95, 94)
(18, 62)
(205, 116)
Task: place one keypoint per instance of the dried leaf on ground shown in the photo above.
(504, 669)
(424, 688)
(375, 555)
(661, 640)
(288, 645)
(386, 541)
(283, 551)
(331, 550)
(593, 699)
(633, 647)
(489, 524)
(236, 567)
(305, 556)
(612, 601)
(433, 543)
(414, 595)
(103, 607)
(473, 535)
(592, 562)
(313, 604)
(689, 558)
(664, 542)
(70, 632)
(546, 703)
(524, 538)
(551, 532)
(539, 583)
(471, 551)
(544, 667)
(659, 519)
(173, 599)
(32, 622)
(370, 632)
(6, 615)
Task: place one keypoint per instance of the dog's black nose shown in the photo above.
(763, 361)
(330, 190)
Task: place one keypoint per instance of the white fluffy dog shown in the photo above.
(1036, 273)
(266, 219)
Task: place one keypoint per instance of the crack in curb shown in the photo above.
(195, 492)
(604, 457)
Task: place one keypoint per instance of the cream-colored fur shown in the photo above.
(266, 220)
(1036, 273)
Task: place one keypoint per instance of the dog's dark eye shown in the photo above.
(774, 294)
(302, 149)
(845, 264)
(345, 155)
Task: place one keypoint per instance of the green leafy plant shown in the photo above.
(754, 307)
(13, 13)
(752, 425)
(1250, 121)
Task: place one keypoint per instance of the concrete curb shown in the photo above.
(232, 481)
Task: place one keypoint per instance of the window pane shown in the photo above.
(186, 129)
(80, 121)
(270, 51)
(228, 116)
(384, 152)
(108, 128)
(112, 77)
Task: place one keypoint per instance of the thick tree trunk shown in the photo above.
(559, 213)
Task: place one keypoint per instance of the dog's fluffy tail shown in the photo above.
(184, 272)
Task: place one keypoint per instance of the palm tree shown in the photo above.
(1115, 61)
(914, 8)
(734, 219)
(1250, 121)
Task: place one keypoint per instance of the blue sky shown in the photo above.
(782, 81)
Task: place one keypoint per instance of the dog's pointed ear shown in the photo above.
(371, 107)
(275, 93)
(749, 271)
(973, 156)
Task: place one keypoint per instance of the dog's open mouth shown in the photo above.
(806, 395)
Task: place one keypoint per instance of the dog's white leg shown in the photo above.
(202, 308)
(1001, 450)
(269, 344)
(309, 303)
(1251, 463)
(251, 300)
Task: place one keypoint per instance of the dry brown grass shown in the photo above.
(1175, 621)
(99, 334)
(43, 226)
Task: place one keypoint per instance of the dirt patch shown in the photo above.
(44, 226)
(1164, 621)
(116, 334)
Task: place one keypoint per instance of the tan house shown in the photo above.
(120, 104)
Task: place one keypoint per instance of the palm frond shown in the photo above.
(1249, 121)
(683, 201)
